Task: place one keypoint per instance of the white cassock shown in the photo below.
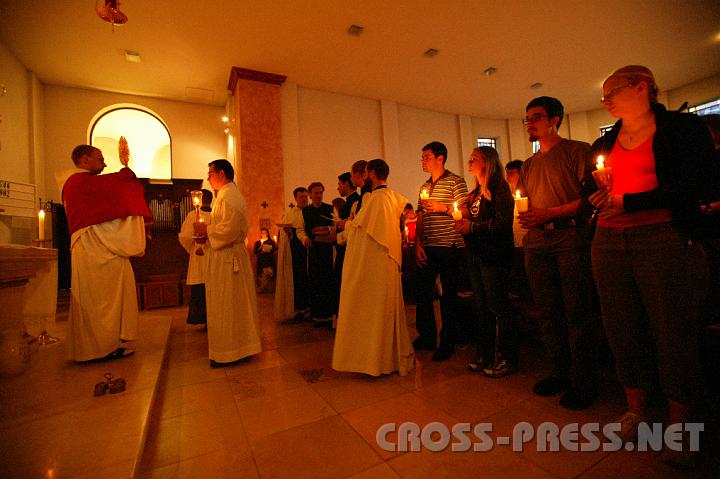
(372, 335)
(197, 265)
(233, 322)
(103, 305)
(284, 306)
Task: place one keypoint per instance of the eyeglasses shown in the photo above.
(534, 119)
(611, 94)
(211, 172)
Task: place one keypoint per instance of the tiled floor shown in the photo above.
(286, 413)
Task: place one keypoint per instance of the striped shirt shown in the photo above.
(439, 228)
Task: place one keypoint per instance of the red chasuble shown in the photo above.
(93, 199)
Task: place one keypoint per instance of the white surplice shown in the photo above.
(103, 305)
(372, 335)
(197, 265)
(284, 305)
(233, 322)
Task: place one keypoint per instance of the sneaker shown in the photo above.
(550, 386)
(577, 399)
(629, 423)
(499, 369)
(477, 364)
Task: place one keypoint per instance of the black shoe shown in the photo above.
(550, 386)
(443, 353)
(215, 364)
(577, 399)
(422, 345)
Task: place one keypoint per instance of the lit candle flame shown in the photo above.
(517, 194)
(455, 205)
(600, 162)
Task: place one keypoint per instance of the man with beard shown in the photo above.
(557, 256)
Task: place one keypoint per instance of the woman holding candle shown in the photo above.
(489, 253)
(645, 263)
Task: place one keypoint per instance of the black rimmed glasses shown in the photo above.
(534, 119)
(611, 94)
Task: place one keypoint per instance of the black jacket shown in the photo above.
(491, 234)
(686, 173)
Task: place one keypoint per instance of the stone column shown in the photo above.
(258, 146)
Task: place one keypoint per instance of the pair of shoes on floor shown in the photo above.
(478, 364)
(550, 386)
(499, 369)
(421, 344)
(216, 364)
(110, 385)
(678, 454)
(578, 399)
(443, 353)
(629, 423)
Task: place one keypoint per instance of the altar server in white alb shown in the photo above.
(197, 263)
(106, 220)
(233, 322)
(372, 335)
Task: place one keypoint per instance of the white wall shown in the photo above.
(196, 130)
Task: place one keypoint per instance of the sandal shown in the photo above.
(102, 387)
(117, 385)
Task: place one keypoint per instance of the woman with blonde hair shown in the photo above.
(647, 265)
(489, 252)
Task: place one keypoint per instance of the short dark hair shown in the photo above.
(206, 196)
(438, 149)
(265, 230)
(514, 165)
(381, 169)
(80, 151)
(345, 178)
(315, 184)
(338, 203)
(552, 107)
(298, 190)
(359, 166)
(224, 166)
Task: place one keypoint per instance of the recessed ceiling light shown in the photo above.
(431, 52)
(355, 30)
(132, 56)
(489, 71)
(536, 86)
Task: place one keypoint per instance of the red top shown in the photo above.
(633, 171)
(93, 199)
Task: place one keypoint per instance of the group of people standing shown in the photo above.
(617, 244)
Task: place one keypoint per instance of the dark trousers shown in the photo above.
(323, 289)
(442, 261)
(300, 274)
(339, 261)
(651, 284)
(490, 292)
(197, 312)
(558, 269)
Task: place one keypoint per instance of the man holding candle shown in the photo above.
(233, 322)
(437, 251)
(557, 255)
(106, 215)
(197, 264)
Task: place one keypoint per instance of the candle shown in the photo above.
(603, 173)
(41, 225)
(275, 238)
(521, 203)
(456, 214)
(196, 201)
(424, 195)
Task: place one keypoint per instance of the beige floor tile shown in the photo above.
(193, 397)
(381, 471)
(266, 415)
(427, 372)
(327, 448)
(267, 359)
(351, 391)
(646, 465)
(225, 464)
(469, 397)
(263, 382)
(191, 372)
(399, 409)
(319, 352)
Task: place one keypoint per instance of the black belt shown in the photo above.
(561, 223)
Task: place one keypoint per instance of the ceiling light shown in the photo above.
(355, 30)
(431, 52)
(225, 119)
(133, 57)
(109, 11)
(536, 86)
(489, 71)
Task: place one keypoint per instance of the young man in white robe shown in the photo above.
(233, 322)
(106, 220)
(372, 335)
(197, 263)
